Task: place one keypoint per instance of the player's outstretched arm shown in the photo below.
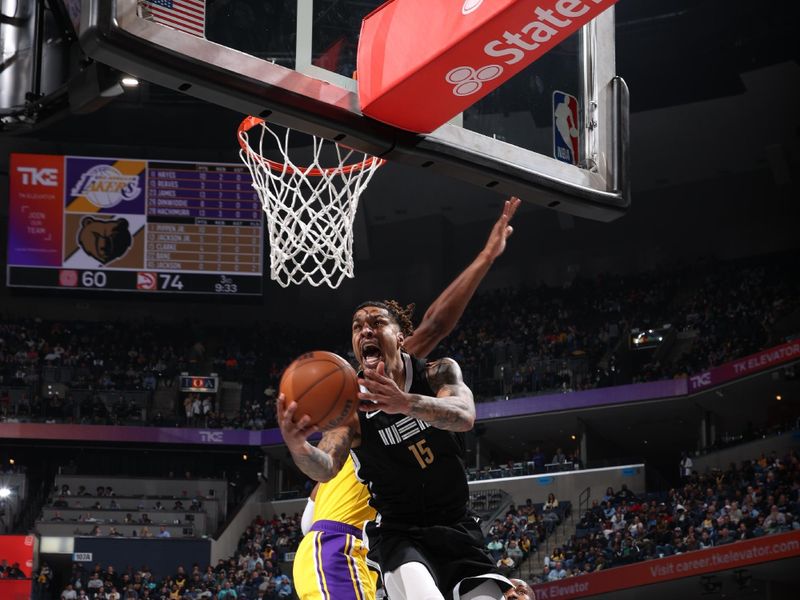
(320, 463)
(442, 316)
(452, 409)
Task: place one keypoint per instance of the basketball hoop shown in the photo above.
(310, 210)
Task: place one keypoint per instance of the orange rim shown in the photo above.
(249, 122)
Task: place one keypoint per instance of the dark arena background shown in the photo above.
(642, 371)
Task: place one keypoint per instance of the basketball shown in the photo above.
(325, 387)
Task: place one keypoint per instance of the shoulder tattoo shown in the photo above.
(443, 372)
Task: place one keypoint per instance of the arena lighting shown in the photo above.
(11, 461)
(129, 81)
(5, 492)
(244, 456)
(778, 398)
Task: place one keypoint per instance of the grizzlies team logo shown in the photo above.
(105, 187)
(105, 240)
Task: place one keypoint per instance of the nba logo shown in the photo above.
(565, 127)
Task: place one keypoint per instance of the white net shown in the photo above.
(310, 210)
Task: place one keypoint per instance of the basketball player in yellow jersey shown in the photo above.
(331, 562)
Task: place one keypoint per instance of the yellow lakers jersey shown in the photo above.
(344, 498)
(330, 564)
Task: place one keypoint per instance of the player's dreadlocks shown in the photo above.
(402, 315)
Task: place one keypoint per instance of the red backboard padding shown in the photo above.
(420, 63)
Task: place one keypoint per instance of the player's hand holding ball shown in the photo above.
(318, 391)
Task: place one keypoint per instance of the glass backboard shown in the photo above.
(293, 61)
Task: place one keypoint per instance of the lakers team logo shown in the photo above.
(105, 240)
(105, 186)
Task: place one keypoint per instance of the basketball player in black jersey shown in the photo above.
(407, 444)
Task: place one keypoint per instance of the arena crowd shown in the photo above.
(517, 341)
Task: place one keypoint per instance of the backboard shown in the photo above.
(292, 62)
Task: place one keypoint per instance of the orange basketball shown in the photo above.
(325, 387)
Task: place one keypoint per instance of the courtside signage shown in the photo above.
(421, 63)
(742, 367)
(690, 564)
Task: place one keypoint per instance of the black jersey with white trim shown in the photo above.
(414, 471)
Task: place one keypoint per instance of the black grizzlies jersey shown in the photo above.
(415, 472)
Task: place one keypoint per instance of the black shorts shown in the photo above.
(450, 552)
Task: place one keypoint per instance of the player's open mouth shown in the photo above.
(370, 355)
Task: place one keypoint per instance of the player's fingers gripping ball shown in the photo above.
(325, 387)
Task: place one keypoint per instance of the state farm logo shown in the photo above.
(547, 27)
(470, 6)
(105, 187)
(47, 177)
(466, 80)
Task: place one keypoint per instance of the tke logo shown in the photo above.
(213, 437)
(47, 176)
(701, 380)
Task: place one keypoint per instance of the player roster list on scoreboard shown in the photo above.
(123, 224)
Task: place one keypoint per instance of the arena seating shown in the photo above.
(758, 497)
(560, 339)
(84, 505)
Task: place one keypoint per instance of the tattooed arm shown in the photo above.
(452, 409)
(441, 317)
(323, 462)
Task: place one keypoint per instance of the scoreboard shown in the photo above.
(145, 226)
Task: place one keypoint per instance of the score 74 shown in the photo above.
(168, 281)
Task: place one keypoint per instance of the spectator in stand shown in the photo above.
(686, 467)
(552, 502)
(514, 551)
(742, 532)
(775, 520)
(283, 587)
(550, 513)
(559, 457)
(187, 408)
(505, 564)
(495, 547)
(557, 572)
(624, 494)
(725, 536)
(538, 460)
